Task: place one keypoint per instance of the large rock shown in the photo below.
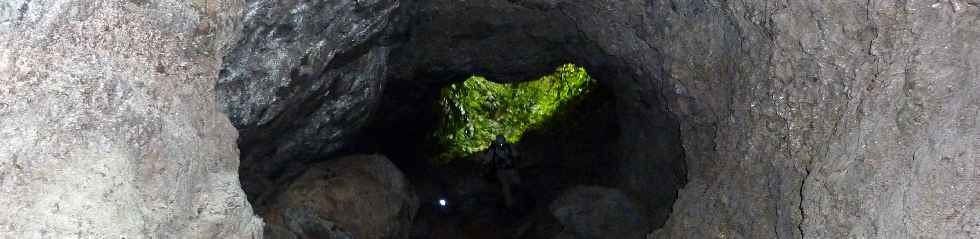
(304, 78)
(108, 123)
(304, 222)
(592, 212)
(362, 196)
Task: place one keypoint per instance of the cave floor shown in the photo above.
(475, 207)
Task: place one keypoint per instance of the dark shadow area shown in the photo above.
(576, 147)
(380, 96)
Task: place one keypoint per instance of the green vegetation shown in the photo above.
(476, 110)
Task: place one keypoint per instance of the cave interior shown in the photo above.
(620, 136)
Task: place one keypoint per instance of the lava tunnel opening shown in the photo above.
(570, 155)
(341, 119)
(338, 126)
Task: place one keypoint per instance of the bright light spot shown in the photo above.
(442, 202)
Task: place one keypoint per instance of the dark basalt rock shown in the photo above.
(304, 78)
(599, 213)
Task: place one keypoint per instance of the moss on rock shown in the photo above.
(477, 109)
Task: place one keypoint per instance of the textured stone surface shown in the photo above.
(304, 223)
(590, 212)
(832, 119)
(503, 41)
(108, 123)
(305, 76)
(365, 195)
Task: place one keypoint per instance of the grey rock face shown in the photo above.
(824, 120)
(362, 196)
(598, 212)
(108, 123)
(499, 39)
(306, 75)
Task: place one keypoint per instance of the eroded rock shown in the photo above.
(365, 196)
(306, 76)
(784, 119)
(108, 122)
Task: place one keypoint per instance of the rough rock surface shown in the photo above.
(304, 223)
(591, 212)
(836, 119)
(364, 195)
(108, 122)
(303, 79)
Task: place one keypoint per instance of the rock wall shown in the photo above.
(784, 118)
(834, 119)
(302, 81)
(108, 122)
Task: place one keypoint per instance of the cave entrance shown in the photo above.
(564, 124)
(380, 94)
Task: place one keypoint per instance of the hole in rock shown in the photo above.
(567, 130)
(593, 153)
(317, 100)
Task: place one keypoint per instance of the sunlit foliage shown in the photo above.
(476, 110)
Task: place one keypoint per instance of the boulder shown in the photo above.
(304, 78)
(301, 223)
(108, 121)
(363, 195)
(836, 119)
(593, 212)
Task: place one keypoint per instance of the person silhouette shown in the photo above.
(502, 156)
